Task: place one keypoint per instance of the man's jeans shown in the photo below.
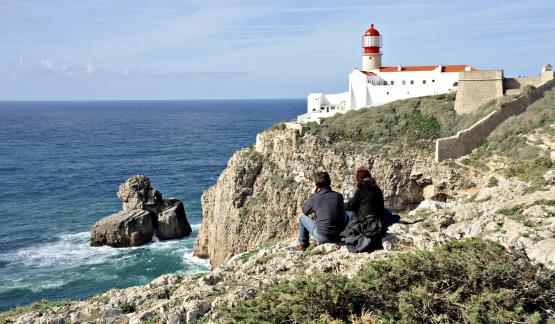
(306, 228)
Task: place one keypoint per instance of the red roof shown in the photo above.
(369, 73)
(444, 68)
(372, 31)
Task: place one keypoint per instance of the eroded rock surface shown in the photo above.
(259, 196)
(144, 212)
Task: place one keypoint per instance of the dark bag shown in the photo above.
(363, 235)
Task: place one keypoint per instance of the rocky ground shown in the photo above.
(250, 223)
(506, 212)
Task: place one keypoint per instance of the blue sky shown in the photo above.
(164, 49)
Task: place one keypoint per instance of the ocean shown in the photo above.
(61, 164)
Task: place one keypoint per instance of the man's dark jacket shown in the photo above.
(330, 213)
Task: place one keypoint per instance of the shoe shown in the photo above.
(300, 248)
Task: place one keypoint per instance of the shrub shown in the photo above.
(127, 308)
(461, 281)
(516, 209)
(530, 170)
(492, 182)
(504, 101)
(528, 90)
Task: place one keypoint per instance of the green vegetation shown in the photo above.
(462, 281)
(492, 182)
(399, 126)
(203, 320)
(512, 211)
(126, 308)
(41, 307)
(247, 255)
(278, 126)
(530, 170)
(508, 138)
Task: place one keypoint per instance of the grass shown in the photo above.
(508, 139)
(248, 255)
(462, 281)
(530, 170)
(399, 126)
(512, 211)
(41, 307)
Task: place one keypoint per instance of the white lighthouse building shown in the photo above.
(374, 84)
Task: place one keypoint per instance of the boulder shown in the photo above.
(126, 228)
(144, 211)
(172, 222)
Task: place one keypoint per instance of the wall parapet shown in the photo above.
(465, 141)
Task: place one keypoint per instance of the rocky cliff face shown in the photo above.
(260, 194)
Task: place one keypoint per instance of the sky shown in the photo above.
(168, 49)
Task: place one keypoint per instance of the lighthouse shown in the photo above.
(374, 84)
(371, 45)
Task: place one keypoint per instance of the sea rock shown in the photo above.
(144, 212)
(172, 222)
(126, 228)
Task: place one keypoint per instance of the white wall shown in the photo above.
(436, 83)
(365, 91)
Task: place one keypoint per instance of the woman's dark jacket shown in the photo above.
(366, 227)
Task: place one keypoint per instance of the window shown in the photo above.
(423, 81)
(392, 82)
(385, 82)
(411, 81)
(388, 93)
(433, 80)
(456, 84)
(404, 82)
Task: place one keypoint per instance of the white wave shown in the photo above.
(195, 227)
(54, 264)
(68, 251)
(189, 258)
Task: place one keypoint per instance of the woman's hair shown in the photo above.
(363, 177)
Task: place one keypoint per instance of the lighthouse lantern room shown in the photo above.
(371, 44)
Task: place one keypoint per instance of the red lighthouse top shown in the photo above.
(372, 31)
(372, 41)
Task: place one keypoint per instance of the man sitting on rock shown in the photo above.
(330, 214)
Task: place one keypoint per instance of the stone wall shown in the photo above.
(467, 140)
(519, 83)
(476, 88)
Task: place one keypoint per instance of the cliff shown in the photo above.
(503, 192)
(259, 196)
(521, 220)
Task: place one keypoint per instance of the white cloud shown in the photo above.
(89, 69)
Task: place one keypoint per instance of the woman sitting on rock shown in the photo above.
(366, 227)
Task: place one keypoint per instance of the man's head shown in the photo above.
(322, 180)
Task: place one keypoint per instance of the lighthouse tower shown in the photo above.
(372, 55)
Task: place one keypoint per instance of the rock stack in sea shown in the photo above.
(144, 213)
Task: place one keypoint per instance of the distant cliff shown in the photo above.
(259, 196)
